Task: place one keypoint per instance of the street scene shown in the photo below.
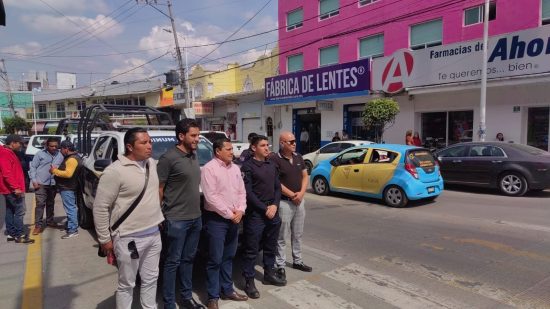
(274, 154)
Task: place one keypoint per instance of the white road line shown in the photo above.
(304, 295)
(525, 226)
(322, 253)
(389, 289)
(498, 294)
(235, 305)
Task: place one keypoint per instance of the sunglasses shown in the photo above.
(292, 142)
(133, 250)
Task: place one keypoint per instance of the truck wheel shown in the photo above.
(85, 216)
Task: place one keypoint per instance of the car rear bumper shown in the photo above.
(424, 190)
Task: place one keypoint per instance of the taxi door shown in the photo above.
(379, 169)
(348, 174)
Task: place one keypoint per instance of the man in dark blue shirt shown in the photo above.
(262, 222)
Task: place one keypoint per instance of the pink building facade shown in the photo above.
(317, 35)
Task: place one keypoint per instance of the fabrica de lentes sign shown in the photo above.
(346, 79)
(514, 54)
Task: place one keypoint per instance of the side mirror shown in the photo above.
(101, 165)
(334, 162)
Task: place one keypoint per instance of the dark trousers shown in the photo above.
(222, 235)
(15, 212)
(260, 233)
(45, 198)
(181, 240)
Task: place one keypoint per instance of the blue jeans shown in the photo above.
(182, 238)
(69, 203)
(222, 237)
(15, 212)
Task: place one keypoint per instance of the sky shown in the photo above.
(100, 40)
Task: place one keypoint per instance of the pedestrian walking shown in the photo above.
(66, 179)
(12, 187)
(248, 153)
(261, 222)
(294, 180)
(224, 203)
(304, 140)
(127, 214)
(179, 175)
(416, 139)
(409, 138)
(43, 183)
(336, 137)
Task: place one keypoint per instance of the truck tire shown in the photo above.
(85, 216)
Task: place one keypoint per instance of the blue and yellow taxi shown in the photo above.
(393, 173)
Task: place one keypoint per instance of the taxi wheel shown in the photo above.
(394, 196)
(320, 185)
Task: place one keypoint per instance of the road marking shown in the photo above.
(302, 294)
(322, 253)
(496, 246)
(525, 226)
(389, 289)
(32, 284)
(498, 294)
(236, 305)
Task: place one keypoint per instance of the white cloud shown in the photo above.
(101, 26)
(64, 6)
(142, 72)
(22, 50)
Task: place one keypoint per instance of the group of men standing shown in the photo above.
(52, 169)
(267, 194)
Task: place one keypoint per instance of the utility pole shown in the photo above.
(483, 100)
(4, 75)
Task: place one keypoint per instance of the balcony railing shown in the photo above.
(54, 115)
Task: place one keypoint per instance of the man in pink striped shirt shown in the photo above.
(225, 204)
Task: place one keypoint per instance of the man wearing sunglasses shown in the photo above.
(294, 180)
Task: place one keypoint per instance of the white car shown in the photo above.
(313, 158)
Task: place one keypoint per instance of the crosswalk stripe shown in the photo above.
(236, 305)
(304, 295)
(389, 289)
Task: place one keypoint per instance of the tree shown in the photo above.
(379, 114)
(15, 124)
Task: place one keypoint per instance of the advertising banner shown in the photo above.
(514, 54)
(203, 108)
(340, 80)
(19, 99)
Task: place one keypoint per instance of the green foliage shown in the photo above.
(52, 130)
(15, 124)
(379, 114)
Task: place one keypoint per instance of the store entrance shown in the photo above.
(306, 118)
(441, 129)
(537, 127)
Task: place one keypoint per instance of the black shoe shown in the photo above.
(302, 267)
(270, 277)
(250, 289)
(24, 240)
(10, 238)
(191, 304)
(281, 273)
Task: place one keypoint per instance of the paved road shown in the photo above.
(465, 250)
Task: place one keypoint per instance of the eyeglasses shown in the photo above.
(292, 142)
(134, 255)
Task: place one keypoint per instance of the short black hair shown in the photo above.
(184, 125)
(256, 139)
(251, 135)
(52, 139)
(130, 137)
(218, 144)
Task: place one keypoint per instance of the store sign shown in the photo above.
(513, 54)
(203, 108)
(19, 99)
(325, 106)
(333, 81)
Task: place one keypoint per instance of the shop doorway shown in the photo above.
(353, 123)
(537, 127)
(311, 121)
(441, 129)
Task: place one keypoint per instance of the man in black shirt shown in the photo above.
(248, 153)
(262, 222)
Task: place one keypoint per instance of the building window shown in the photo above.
(426, 34)
(328, 55)
(328, 8)
(295, 63)
(365, 2)
(60, 110)
(294, 19)
(248, 85)
(372, 46)
(210, 87)
(42, 111)
(197, 91)
(269, 127)
(475, 15)
(545, 12)
(80, 105)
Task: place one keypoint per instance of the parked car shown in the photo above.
(394, 173)
(105, 151)
(311, 159)
(37, 143)
(512, 168)
(212, 136)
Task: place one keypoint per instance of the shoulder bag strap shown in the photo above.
(135, 203)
